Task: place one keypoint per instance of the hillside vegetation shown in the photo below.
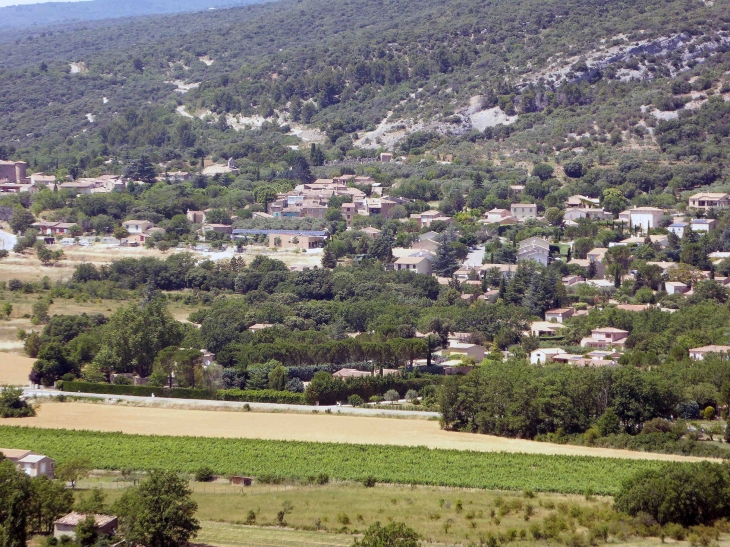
(425, 75)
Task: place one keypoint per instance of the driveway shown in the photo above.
(203, 404)
(7, 240)
(475, 257)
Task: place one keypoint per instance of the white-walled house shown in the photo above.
(543, 355)
(644, 217)
(698, 354)
(534, 248)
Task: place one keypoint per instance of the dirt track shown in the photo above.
(299, 427)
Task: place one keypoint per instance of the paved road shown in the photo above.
(264, 407)
(475, 257)
(7, 240)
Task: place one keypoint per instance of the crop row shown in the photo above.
(394, 464)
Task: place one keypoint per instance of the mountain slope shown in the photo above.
(368, 72)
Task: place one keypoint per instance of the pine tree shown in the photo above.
(141, 169)
(329, 260)
(478, 180)
(445, 263)
(502, 288)
(300, 170)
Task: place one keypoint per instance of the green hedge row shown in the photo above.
(250, 396)
(262, 396)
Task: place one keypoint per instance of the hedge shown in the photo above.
(251, 396)
(262, 396)
(91, 387)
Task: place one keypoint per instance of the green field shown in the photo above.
(300, 460)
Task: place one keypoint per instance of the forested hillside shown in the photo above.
(396, 74)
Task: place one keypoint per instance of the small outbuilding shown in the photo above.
(66, 526)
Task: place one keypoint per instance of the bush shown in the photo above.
(709, 413)
(355, 400)
(369, 482)
(91, 387)
(15, 284)
(12, 405)
(663, 494)
(262, 396)
(391, 396)
(204, 474)
(411, 395)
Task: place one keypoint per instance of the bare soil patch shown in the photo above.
(14, 369)
(295, 427)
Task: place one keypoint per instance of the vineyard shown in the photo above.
(298, 460)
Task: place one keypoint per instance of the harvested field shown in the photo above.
(14, 369)
(296, 427)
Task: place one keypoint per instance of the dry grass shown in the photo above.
(14, 369)
(22, 306)
(294, 427)
(26, 267)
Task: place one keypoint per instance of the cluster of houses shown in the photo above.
(311, 200)
(38, 465)
(606, 343)
(14, 179)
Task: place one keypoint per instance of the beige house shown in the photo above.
(605, 337)
(710, 200)
(259, 326)
(497, 215)
(32, 464)
(290, 241)
(521, 211)
(417, 264)
(582, 201)
(544, 328)
(78, 187)
(559, 315)
(66, 526)
(371, 232)
(196, 217)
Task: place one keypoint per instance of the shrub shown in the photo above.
(204, 474)
(709, 413)
(411, 395)
(662, 494)
(391, 396)
(15, 284)
(355, 400)
(369, 482)
(12, 405)
(343, 519)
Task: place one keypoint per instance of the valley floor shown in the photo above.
(296, 427)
